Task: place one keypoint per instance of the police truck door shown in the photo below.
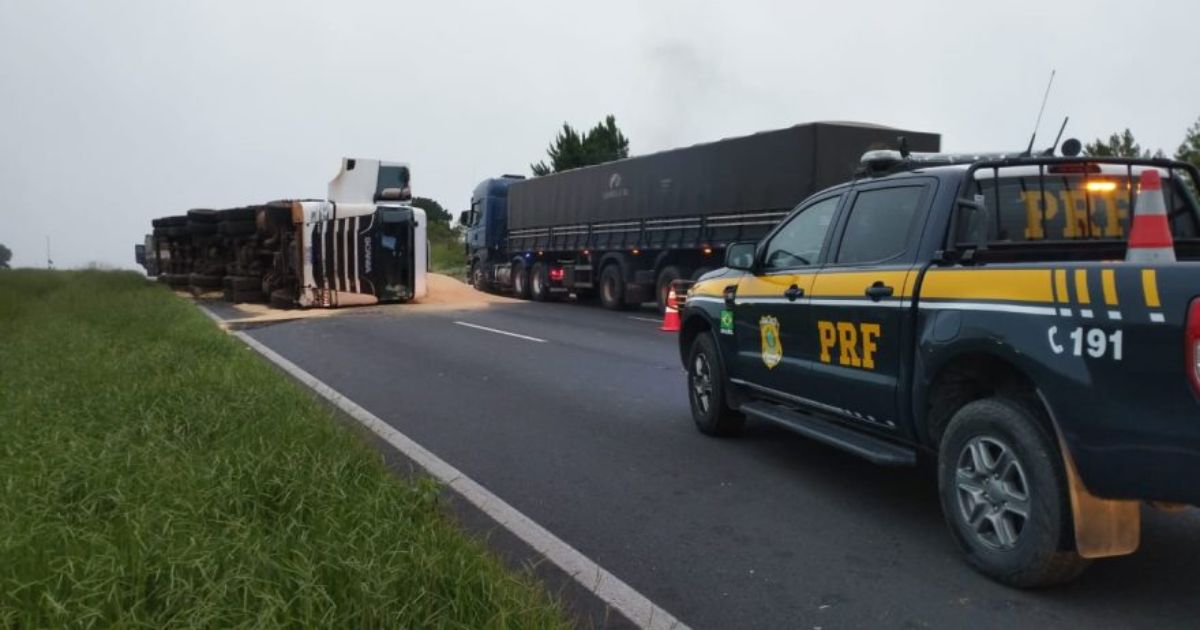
(861, 305)
(771, 314)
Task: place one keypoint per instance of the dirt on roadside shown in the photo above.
(444, 293)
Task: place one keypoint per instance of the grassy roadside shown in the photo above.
(446, 257)
(155, 472)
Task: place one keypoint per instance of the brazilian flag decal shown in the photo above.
(726, 322)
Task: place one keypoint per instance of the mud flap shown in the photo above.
(1104, 528)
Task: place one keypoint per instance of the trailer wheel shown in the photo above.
(520, 278)
(539, 282)
(665, 278)
(612, 288)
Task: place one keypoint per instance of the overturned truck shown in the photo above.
(364, 245)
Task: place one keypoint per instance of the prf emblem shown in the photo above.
(772, 347)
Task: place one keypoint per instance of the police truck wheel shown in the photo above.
(1004, 495)
(612, 288)
(707, 393)
(665, 278)
(520, 278)
(539, 283)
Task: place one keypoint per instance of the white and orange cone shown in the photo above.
(671, 313)
(1150, 237)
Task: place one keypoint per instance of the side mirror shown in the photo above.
(971, 224)
(463, 217)
(740, 256)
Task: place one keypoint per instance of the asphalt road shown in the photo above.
(589, 434)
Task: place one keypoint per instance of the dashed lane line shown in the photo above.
(500, 332)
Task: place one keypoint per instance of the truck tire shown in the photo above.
(612, 288)
(237, 228)
(1004, 495)
(707, 390)
(520, 278)
(539, 283)
(237, 214)
(478, 279)
(668, 275)
(203, 281)
(201, 228)
(202, 215)
(244, 283)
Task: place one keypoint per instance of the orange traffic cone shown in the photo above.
(671, 314)
(1150, 237)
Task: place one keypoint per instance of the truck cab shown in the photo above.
(366, 243)
(486, 225)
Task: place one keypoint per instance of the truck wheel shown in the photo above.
(612, 288)
(520, 278)
(475, 276)
(1004, 495)
(237, 228)
(665, 278)
(539, 283)
(706, 390)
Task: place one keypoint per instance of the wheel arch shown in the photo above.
(694, 324)
(970, 374)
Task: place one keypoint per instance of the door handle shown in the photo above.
(879, 290)
(793, 292)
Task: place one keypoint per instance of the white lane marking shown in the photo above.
(608, 587)
(645, 319)
(500, 332)
(1114, 315)
(1065, 312)
(1086, 312)
(1157, 318)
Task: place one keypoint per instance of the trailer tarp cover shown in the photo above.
(767, 171)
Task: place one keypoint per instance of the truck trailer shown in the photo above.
(624, 230)
(364, 244)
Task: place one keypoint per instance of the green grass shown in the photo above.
(154, 472)
(447, 256)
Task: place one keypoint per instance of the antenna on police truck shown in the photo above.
(1050, 151)
(1029, 150)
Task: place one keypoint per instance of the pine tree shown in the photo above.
(1189, 150)
(570, 149)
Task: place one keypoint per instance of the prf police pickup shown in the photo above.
(1022, 320)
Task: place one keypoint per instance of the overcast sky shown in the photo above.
(112, 113)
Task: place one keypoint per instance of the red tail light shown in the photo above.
(1192, 349)
(556, 274)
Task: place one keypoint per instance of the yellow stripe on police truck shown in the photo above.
(1012, 285)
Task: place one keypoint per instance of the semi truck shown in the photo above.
(364, 244)
(623, 231)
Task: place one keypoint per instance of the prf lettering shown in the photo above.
(856, 343)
